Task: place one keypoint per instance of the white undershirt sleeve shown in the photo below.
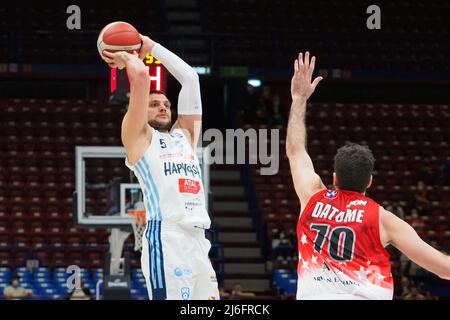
(189, 99)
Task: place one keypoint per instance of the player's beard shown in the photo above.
(161, 125)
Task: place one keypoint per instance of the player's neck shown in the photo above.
(161, 130)
(362, 193)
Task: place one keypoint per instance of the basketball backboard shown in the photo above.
(106, 189)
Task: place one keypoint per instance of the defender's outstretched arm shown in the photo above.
(401, 235)
(306, 180)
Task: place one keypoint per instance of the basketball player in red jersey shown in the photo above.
(341, 233)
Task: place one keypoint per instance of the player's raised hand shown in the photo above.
(301, 85)
(118, 59)
(147, 46)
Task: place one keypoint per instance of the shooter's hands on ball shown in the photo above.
(120, 59)
(146, 47)
(301, 86)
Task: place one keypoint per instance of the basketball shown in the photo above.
(119, 36)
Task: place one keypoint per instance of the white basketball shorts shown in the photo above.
(175, 263)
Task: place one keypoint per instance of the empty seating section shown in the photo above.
(286, 280)
(38, 33)
(37, 152)
(413, 37)
(269, 32)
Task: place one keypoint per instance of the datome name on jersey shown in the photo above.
(329, 212)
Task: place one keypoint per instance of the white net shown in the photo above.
(138, 230)
(138, 223)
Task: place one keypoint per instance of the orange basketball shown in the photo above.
(119, 36)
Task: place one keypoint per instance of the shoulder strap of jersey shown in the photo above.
(319, 194)
(314, 198)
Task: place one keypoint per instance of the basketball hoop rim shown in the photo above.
(138, 215)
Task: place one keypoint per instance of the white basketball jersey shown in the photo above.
(171, 182)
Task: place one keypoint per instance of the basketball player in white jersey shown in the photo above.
(162, 155)
(342, 234)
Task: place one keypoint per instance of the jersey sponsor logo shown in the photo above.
(357, 203)
(182, 168)
(185, 293)
(189, 157)
(179, 272)
(117, 283)
(171, 155)
(188, 186)
(330, 279)
(331, 194)
(191, 204)
(177, 135)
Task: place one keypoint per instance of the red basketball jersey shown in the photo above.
(340, 252)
